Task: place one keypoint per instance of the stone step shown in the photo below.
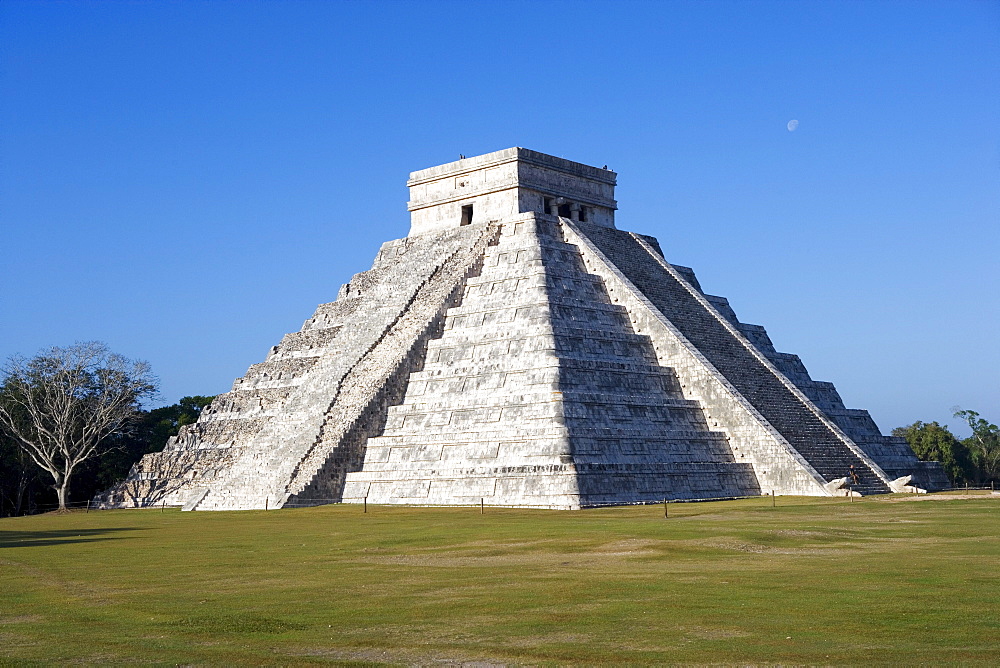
(534, 304)
(782, 409)
(513, 365)
(280, 369)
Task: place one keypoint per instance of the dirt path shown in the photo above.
(952, 497)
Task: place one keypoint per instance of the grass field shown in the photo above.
(812, 581)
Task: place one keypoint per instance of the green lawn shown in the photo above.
(812, 581)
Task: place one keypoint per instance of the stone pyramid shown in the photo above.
(517, 349)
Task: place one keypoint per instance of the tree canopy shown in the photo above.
(984, 444)
(165, 422)
(975, 459)
(932, 442)
(22, 490)
(62, 406)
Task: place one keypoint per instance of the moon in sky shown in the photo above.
(792, 125)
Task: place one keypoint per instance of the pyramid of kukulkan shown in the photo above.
(516, 349)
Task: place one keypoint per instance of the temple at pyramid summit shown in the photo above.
(517, 349)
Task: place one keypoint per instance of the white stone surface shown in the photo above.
(511, 361)
(503, 184)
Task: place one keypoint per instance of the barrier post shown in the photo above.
(366, 503)
(666, 513)
(773, 502)
(482, 506)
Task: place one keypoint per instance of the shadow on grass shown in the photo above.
(64, 537)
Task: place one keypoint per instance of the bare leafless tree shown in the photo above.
(62, 405)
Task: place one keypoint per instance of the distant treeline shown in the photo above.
(26, 489)
(974, 460)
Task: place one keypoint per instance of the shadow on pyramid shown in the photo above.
(516, 349)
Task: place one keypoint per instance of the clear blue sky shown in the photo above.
(188, 180)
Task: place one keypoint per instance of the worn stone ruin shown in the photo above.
(516, 349)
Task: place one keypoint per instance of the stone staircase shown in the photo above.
(493, 362)
(349, 385)
(892, 454)
(538, 392)
(249, 442)
(796, 421)
(379, 379)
